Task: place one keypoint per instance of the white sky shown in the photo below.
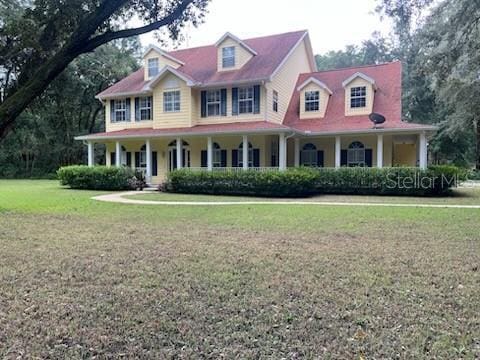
(332, 24)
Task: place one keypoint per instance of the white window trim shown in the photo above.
(312, 155)
(275, 101)
(117, 110)
(151, 67)
(231, 57)
(359, 97)
(173, 104)
(245, 100)
(315, 100)
(147, 107)
(216, 156)
(356, 156)
(215, 102)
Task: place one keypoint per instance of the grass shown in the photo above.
(81, 278)
(461, 196)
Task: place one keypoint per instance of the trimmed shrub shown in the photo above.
(98, 177)
(436, 180)
(290, 183)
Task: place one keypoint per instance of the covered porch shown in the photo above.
(158, 154)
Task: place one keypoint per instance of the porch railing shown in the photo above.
(234, 169)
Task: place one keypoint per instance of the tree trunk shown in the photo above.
(477, 152)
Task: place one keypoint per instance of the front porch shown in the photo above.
(157, 156)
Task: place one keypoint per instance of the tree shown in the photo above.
(66, 108)
(43, 37)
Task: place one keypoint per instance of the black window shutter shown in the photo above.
(368, 157)
(137, 109)
(234, 101)
(204, 159)
(256, 99)
(203, 110)
(129, 159)
(223, 156)
(154, 163)
(137, 159)
(320, 158)
(343, 158)
(256, 157)
(235, 158)
(128, 112)
(223, 103)
(174, 159)
(112, 111)
(151, 107)
(112, 159)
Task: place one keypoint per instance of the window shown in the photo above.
(245, 100)
(216, 155)
(152, 67)
(120, 110)
(275, 101)
(143, 157)
(250, 155)
(312, 100)
(145, 108)
(171, 101)
(274, 153)
(228, 57)
(356, 154)
(213, 102)
(358, 97)
(308, 155)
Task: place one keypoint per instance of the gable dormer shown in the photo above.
(359, 94)
(232, 53)
(314, 96)
(155, 59)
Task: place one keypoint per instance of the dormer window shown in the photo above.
(312, 100)
(228, 57)
(358, 97)
(152, 67)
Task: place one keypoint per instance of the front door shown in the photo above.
(172, 158)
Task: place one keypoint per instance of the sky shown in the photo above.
(332, 24)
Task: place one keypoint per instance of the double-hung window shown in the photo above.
(216, 155)
(171, 101)
(145, 108)
(152, 67)
(245, 100)
(213, 102)
(356, 154)
(120, 110)
(275, 101)
(312, 100)
(228, 56)
(358, 97)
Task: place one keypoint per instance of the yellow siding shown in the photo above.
(405, 155)
(370, 98)
(162, 62)
(324, 97)
(284, 82)
(242, 55)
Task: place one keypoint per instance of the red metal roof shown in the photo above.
(232, 128)
(201, 64)
(388, 101)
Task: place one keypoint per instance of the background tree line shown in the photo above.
(437, 42)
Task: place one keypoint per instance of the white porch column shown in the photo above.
(245, 152)
(297, 152)
(210, 154)
(338, 149)
(148, 158)
(91, 160)
(380, 150)
(282, 152)
(179, 153)
(422, 151)
(118, 154)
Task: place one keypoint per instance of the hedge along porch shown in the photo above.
(157, 155)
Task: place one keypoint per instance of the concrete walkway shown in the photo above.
(119, 198)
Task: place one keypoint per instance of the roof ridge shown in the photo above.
(353, 67)
(249, 39)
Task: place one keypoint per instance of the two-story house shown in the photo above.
(255, 103)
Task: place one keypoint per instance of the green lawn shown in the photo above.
(81, 278)
(461, 196)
